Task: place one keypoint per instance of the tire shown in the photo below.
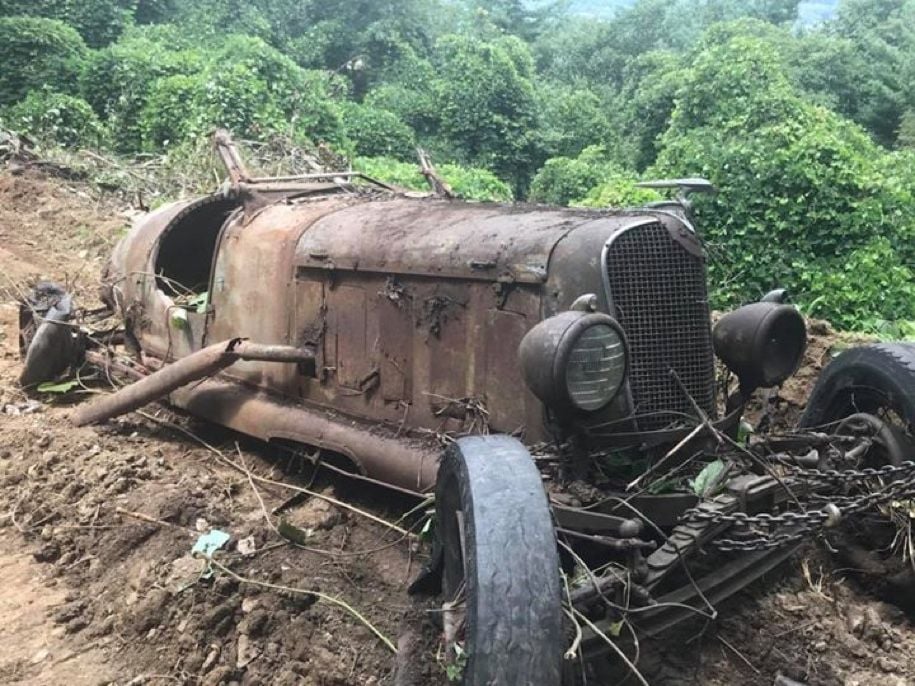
(46, 343)
(503, 560)
(865, 379)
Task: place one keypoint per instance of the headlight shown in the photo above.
(575, 361)
(762, 343)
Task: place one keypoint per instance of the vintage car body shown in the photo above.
(320, 311)
(394, 294)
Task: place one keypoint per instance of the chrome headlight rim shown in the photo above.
(570, 338)
(545, 353)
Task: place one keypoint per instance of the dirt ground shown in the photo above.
(97, 526)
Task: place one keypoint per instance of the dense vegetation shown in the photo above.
(806, 127)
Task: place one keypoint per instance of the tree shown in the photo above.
(882, 37)
(486, 103)
(801, 190)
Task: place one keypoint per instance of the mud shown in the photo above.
(97, 525)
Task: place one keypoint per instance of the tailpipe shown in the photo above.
(198, 365)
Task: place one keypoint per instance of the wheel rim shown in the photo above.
(870, 413)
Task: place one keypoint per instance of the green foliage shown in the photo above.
(802, 192)
(564, 179)
(486, 104)
(38, 52)
(467, 182)
(99, 22)
(117, 81)
(571, 119)
(55, 118)
(849, 290)
(618, 190)
(375, 132)
(248, 87)
(645, 103)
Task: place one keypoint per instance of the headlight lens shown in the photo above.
(596, 367)
(575, 361)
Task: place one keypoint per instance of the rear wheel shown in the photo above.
(502, 611)
(869, 391)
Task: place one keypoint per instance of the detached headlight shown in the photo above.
(575, 361)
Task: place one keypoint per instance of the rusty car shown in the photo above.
(552, 375)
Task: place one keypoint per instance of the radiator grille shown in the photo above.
(659, 292)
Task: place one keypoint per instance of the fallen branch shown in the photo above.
(151, 520)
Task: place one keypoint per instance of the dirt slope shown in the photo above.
(96, 529)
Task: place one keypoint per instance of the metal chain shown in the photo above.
(759, 528)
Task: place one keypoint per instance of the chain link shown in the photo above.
(758, 531)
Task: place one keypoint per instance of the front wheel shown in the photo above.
(502, 611)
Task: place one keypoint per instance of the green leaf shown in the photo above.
(59, 387)
(707, 477)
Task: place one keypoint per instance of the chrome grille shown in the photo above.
(659, 292)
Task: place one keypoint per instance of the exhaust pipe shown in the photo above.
(198, 365)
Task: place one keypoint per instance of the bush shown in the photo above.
(377, 133)
(118, 79)
(467, 182)
(99, 22)
(850, 290)
(564, 179)
(803, 194)
(55, 118)
(302, 97)
(168, 115)
(248, 88)
(38, 52)
(618, 191)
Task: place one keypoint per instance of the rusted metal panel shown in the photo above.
(395, 335)
(437, 238)
(407, 463)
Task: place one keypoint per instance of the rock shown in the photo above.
(183, 572)
(247, 546)
(316, 514)
(40, 656)
(47, 553)
(245, 651)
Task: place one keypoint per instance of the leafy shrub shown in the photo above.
(618, 191)
(803, 194)
(564, 179)
(118, 79)
(168, 115)
(377, 133)
(467, 182)
(38, 52)
(99, 22)
(56, 118)
(850, 290)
